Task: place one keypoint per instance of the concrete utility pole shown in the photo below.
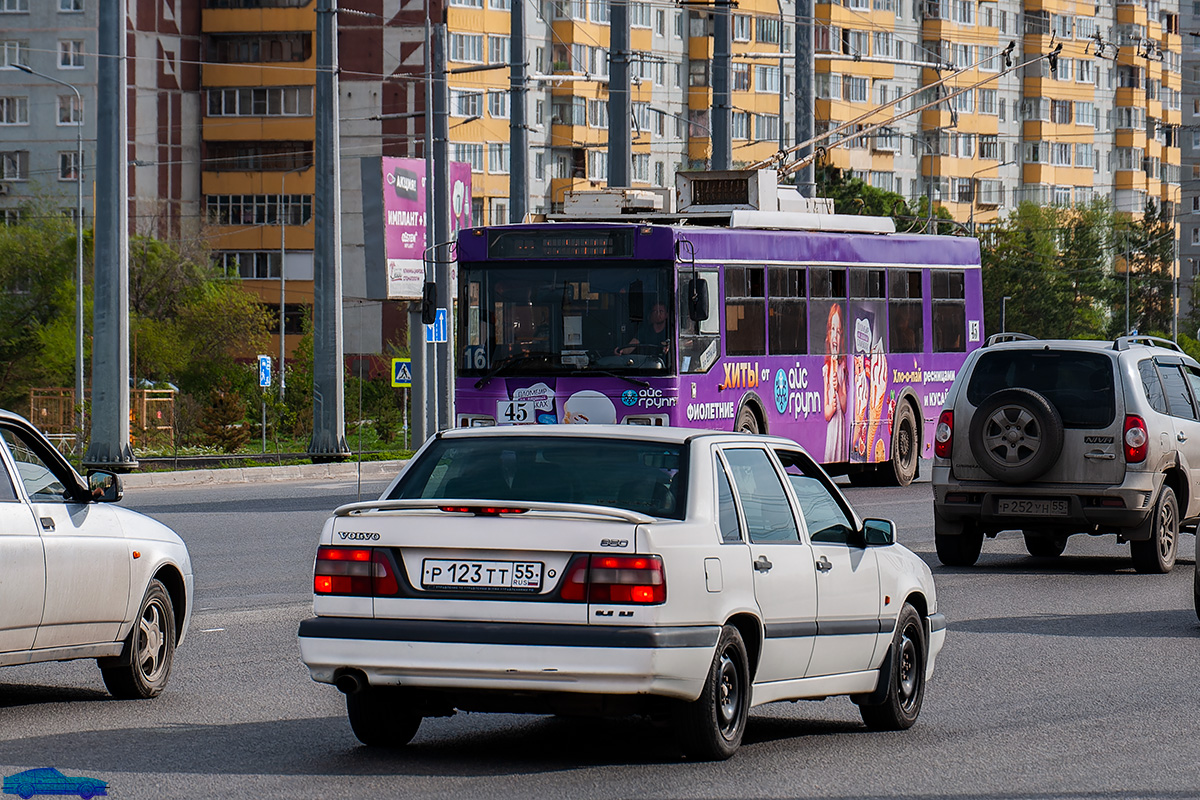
(805, 80)
(109, 447)
(518, 129)
(620, 148)
(722, 103)
(329, 422)
(446, 292)
(416, 327)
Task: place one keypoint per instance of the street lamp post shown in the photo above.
(975, 190)
(1004, 313)
(78, 247)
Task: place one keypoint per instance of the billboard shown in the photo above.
(403, 189)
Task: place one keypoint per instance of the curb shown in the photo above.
(295, 472)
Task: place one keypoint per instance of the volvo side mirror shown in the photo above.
(879, 532)
(429, 303)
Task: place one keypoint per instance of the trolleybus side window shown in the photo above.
(949, 311)
(745, 311)
(787, 317)
(827, 288)
(699, 344)
(905, 314)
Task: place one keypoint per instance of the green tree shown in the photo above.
(37, 288)
(1052, 262)
(853, 195)
(1148, 245)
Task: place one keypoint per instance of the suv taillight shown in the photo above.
(943, 436)
(358, 571)
(1136, 439)
(616, 580)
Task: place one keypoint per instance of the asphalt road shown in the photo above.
(1075, 678)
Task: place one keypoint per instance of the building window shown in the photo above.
(740, 77)
(258, 209)
(466, 47)
(68, 165)
(641, 167)
(500, 5)
(14, 110)
(1085, 155)
(467, 3)
(468, 153)
(498, 104)
(768, 30)
(1060, 154)
(264, 156)
(741, 125)
(660, 173)
(269, 101)
(70, 54)
(14, 165)
(499, 157)
(987, 101)
(639, 15)
(249, 264)
(13, 52)
(766, 79)
(597, 161)
(498, 49)
(14, 6)
(69, 111)
(70, 6)
(766, 127)
(1060, 112)
(854, 89)
(597, 113)
(237, 48)
(1085, 113)
(464, 103)
(741, 27)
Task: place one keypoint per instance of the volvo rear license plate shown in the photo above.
(447, 574)
(1031, 508)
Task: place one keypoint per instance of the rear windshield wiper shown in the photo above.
(510, 361)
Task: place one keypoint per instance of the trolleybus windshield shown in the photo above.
(602, 317)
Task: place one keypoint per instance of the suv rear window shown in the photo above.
(1080, 385)
(638, 476)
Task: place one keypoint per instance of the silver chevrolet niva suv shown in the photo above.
(1056, 437)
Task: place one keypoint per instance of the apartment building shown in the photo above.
(1189, 234)
(41, 118)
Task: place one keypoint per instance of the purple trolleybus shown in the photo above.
(843, 340)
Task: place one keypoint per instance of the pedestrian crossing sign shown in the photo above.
(401, 373)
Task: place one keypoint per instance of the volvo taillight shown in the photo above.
(616, 580)
(357, 571)
(1136, 439)
(943, 436)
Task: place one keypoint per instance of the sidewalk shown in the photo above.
(371, 470)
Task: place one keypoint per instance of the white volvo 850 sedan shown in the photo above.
(80, 578)
(616, 570)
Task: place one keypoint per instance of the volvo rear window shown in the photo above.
(1080, 385)
(647, 477)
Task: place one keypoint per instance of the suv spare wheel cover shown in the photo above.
(1016, 435)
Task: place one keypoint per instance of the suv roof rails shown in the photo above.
(1123, 342)
(1008, 336)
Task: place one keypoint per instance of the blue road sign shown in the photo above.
(402, 373)
(264, 371)
(439, 331)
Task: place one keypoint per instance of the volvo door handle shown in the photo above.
(762, 564)
(47, 523)
(824, 564)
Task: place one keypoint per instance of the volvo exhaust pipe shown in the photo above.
(350, 681)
